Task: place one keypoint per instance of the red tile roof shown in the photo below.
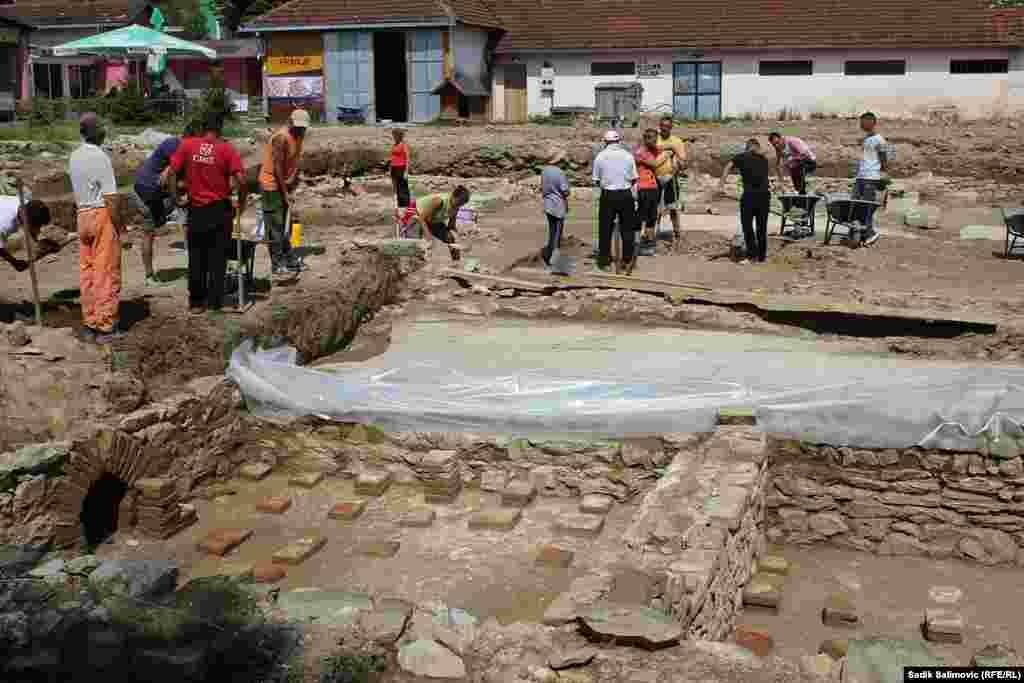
(45, 13)
(299, 13)
(739, 24)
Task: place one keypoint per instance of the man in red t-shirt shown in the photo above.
(211, 167)
(400, 168)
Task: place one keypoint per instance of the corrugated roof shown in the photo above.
(300, 13)
(45, 13)
(744, 24)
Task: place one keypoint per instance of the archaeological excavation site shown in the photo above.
(400, 467)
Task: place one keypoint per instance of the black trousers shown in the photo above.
(209, 233)
(555, 226)
(616, 204)
(401, 183)
(754, 207)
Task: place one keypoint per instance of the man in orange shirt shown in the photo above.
(400, 168)
(279, 175)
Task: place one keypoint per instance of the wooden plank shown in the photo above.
(623, 278)
(509, 283)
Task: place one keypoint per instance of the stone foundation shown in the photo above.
(696, 536)
(900, 501)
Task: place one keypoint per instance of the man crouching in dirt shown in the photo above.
(35, 215)
(437, 214)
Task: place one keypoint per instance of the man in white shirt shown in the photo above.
(872, 165)
(99, 232)
(37, 215)
(615, 173)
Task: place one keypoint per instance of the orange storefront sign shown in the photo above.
(293, 65)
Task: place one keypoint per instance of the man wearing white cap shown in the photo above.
(279, 175)
(615, 174)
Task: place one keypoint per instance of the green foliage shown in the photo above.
(46, 112)
(129, 107)
(214, 99)
(343, 668)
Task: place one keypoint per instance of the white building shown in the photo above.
(706, 59)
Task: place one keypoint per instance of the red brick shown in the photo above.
(554, 556)
(276, 505)
(347, 510)
(223, 541)
(758, 642)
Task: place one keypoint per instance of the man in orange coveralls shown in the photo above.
(99, 231)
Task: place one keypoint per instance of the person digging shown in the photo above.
(437, 214)
(34, 214)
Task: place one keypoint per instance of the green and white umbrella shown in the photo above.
(132, 41)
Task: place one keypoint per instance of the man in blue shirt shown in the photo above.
(154, 201)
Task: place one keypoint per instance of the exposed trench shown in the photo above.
(844, 323)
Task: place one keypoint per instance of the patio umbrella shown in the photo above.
(132, 41)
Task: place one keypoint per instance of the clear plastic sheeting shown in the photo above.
(553, 381)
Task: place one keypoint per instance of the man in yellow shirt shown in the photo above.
(669, 173)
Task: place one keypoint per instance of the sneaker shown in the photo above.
(196, 309)
(870, 237)
(86, 335)
(103, 338)
(280, 270)
(744, 262)
(152, 281)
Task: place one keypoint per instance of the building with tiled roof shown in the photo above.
(695, 58)
(380, 60)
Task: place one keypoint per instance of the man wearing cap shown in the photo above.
(99, 233)
(279, 175)
(615, 174)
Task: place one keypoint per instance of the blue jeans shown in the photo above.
(868, 191)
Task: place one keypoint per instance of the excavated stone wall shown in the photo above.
(900, 502)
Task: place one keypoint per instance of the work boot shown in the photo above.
(86, 335)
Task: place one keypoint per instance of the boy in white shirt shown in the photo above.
(872, 165)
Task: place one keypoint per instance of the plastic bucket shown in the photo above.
(296, 235)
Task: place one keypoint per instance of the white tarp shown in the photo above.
(616, 385)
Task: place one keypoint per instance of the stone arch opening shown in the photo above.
(101, 508)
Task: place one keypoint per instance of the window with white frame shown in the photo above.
(878, 67)
(979, 66)
(785, 68)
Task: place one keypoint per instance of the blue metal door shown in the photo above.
(347, 70)
(426, 71)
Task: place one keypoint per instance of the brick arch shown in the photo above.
(109, 451)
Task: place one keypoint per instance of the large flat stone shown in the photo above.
(347, 510)
(502, 519)
(596, 504)
(324, 607)
(254, 471)
(386, 624)
(430, 659)
(145, 579)
(580, 656)
(373, 482)
(518, 494)
(223, 541)
(306, 480)
(420, 518)
(631, 625)
(299, 550)
(878, 660)
(578, 524)
(494, 480)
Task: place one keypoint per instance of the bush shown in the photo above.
(351, 668)
(129, 108)
(43, 111)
